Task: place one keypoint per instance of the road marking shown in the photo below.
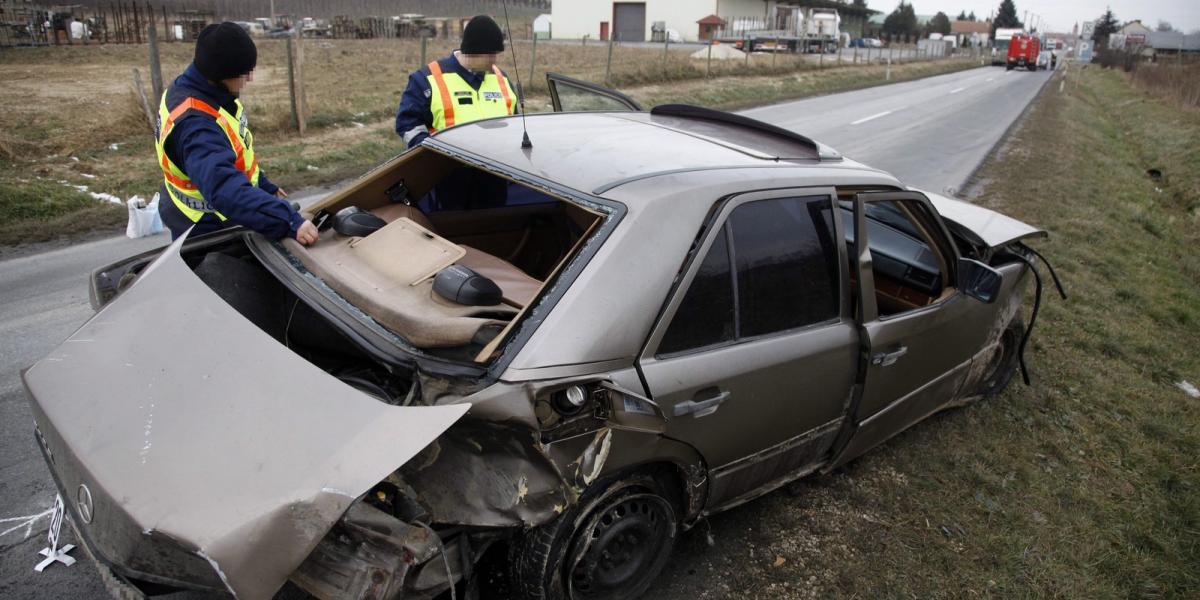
(872, 117)
(957, 90)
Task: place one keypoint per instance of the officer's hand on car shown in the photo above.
(306, 233)
(279, 193)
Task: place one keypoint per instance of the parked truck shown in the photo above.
(1023, 52)
(797, 29)
(1001, 42)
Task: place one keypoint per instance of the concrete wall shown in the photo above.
(574, 19)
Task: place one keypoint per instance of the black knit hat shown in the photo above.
(224, 51)
(482, 36)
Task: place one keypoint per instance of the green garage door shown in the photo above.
(630, 19)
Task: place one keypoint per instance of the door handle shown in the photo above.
(885, 359)
(701, 408)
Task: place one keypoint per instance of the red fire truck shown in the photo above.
(1023, 52)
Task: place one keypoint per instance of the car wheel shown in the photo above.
(610, 545)
(1003, 363)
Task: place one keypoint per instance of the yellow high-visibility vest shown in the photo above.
(180, 187)
(453, 101)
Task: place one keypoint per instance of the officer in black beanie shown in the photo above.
(463, 87)
(211, 177)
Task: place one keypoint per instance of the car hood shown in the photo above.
(983, 226)
(211, 455)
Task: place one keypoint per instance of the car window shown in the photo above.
(786, 275)
(580, 99)
(786, 264)
(909, 270)
(705, 316)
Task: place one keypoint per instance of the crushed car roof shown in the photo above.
(594, 152)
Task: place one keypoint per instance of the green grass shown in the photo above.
(1085, 485)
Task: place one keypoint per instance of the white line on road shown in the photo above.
(872, 117)
(957, 90)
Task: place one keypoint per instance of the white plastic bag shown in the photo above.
(143, 217)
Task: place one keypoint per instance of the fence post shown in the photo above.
(295, 55)
(167, 33)
(666, 47)
(887, 74)
(608, 65)
(708, 65)
(137, 23)
(856, 55)
(532, 59)
(423, 42)
(156, 80)
(141, 91)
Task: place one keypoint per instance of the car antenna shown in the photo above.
(525, 143)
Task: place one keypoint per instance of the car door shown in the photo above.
(568, 94)
(755, 353)
(917, 327)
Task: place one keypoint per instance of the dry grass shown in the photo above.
(71, 112)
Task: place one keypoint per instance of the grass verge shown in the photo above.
(1086, 485)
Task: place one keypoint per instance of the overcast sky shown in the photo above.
(1061, 15)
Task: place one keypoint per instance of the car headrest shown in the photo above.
(459, 284)
(353, 221)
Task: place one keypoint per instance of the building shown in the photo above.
(971, 33)
(695, 20)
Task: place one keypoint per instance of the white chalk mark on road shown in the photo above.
(991, 78)
(872, 117)
(26, 522)
(957, 90)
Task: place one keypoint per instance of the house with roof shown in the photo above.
(971, 33)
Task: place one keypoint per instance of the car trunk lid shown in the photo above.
(212, 456)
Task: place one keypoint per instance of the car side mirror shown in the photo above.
(978, 280)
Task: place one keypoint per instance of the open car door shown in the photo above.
(573, 95)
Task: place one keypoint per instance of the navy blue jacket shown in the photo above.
(199, 146)
(414, 118)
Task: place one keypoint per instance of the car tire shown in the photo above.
(612, 544)
(1003, 363)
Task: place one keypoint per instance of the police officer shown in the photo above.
(463, 87)
(211, 177)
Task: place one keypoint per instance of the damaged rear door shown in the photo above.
(194, 450)
(755, 355)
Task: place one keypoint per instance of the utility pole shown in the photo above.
(272, 13)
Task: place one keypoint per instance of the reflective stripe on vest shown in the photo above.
(182, 190)
(494, 98)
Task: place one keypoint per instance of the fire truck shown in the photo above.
(1023, 51)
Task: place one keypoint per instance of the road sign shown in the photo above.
(1083, 52)
(1089, 28)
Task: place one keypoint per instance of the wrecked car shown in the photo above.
(543, 362)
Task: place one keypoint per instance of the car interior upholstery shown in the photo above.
(518, 243)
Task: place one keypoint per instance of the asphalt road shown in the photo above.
(931, 133)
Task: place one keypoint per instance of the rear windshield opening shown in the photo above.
(452, 256)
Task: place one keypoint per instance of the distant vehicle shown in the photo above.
(1044, 60)
(1000, 45)
(1023, 52)
(865, 43)
(253, 28)
(804, 30)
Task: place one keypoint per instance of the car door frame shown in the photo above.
(553, 80)
(865, 431)
(774, 464)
